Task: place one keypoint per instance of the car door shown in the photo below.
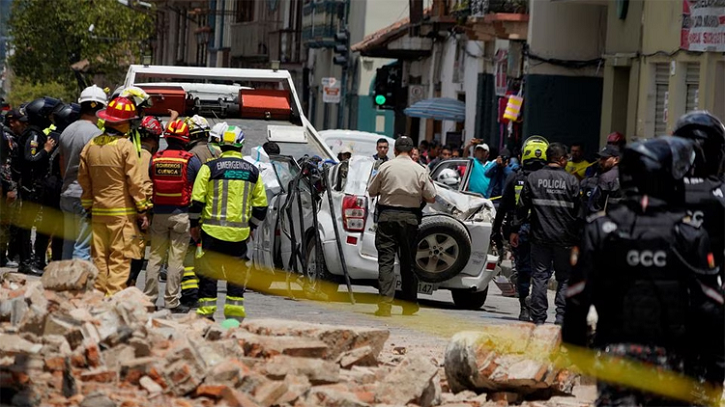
(269, 242)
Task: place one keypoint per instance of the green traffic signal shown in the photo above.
(380, 100)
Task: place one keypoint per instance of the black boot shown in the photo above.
(525, 313)
(30, 269)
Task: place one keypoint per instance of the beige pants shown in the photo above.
(115, 243)
(169, 234)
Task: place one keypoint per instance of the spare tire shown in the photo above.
(442, 249)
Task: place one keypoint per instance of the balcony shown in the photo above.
(487, 20)
(320, 22)
(252, 39)
(285, 46)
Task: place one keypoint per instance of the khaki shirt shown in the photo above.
(402, 182)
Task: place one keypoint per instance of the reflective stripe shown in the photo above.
(194, 215)
(553, 202)
(234, 311)
(180, 160)
(235, 300)
(215, 199)
(224, 223)
(207, 306)
(245, 198)
(190, 285)
(117, 211)
(224, 198)
(172, 195)
(255, 221)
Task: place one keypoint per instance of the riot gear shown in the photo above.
(709, 134)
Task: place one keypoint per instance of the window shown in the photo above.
(245, 10)
(692, 79)
(662, 86)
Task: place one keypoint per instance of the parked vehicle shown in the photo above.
(360, 142)
(446, 257)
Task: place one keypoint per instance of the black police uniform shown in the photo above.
(705, 199)
(8, 183)
(551, 196)
(34, 170)
(647, 273)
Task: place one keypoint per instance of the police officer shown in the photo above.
(705, 191)
(36, 149)
(228, 202)
(550, 199)
(602, 189)
(533, 158)
(402, 186)
(646, 267)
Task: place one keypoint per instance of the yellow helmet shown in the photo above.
(534, 149)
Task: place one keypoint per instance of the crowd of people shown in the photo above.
(90, 178)
(638, 235)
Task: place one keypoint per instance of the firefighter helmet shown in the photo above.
(198, 127)
(139, 96)
(215, 134)
(449, 177)
(177, 130)
(233, 136)
(616, 138)
(150, 127)
(119, 110)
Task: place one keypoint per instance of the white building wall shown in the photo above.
(474, 65)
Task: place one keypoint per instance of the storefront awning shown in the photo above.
(438, 109)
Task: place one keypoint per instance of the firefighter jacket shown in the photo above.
(650, 274)
(228, 198)
(112, 177)
(705, 199)
(145, 159)
(203, 150)
(550, 200)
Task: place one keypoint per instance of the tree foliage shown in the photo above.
(24, 91)
(49, 36)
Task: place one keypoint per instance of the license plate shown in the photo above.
(423, 288)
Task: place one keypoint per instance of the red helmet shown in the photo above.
(119, 110)
(151, 127)
(178, 130)
(616, 138)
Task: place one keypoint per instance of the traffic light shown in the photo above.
(387, 87)
(342, 48)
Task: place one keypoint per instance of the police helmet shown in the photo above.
(66, 114)
(708, 132)
(39, 110)
(534, 149)
(449, 177)
(657, 167)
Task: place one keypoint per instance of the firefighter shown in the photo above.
(149, 133)
(533, 158)
(36, 149)
(705, 190)
(647, 268)
(203, 150)
(112, 178)
(173, 172)
(229, 201)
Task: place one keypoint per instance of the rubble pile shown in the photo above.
(513, 361)
(64, 344)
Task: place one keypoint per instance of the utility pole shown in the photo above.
(342, 48)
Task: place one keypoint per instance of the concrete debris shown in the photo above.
(63, 344)
(508, 359)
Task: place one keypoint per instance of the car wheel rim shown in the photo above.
(312, 268)
(436, 253)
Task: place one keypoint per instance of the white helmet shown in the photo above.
(139, 96)
(449, 177)
(93, 94)
(215, 135)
